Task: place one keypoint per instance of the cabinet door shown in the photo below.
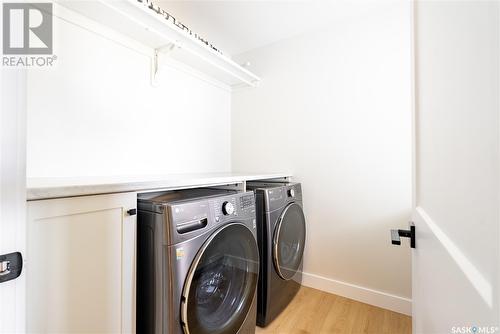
(81, 265)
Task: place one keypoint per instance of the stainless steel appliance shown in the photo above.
(281, 235)
(198, 262)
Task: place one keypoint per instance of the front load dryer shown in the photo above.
(281, 230)
(198, 263)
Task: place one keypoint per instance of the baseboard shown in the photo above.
(359, 293)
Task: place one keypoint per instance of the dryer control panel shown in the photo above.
(277, 194)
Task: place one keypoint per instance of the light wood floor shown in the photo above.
(313, 312)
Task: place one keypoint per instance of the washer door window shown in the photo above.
(221, 282)
(289, 240)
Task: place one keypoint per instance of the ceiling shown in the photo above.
(238, 26)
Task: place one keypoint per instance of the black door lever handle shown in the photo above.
(397, 234)
(11, 266)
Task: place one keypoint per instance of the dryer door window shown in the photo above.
(289, 240)
(221, 282)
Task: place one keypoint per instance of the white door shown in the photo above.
(456, 259)
(81, 256)
(12, 193)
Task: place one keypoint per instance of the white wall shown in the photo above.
(96, 112)
(457, 51)
(334, 109)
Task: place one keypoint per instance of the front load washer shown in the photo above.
(281, 234)
(198, 263)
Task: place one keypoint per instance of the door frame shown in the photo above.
(413, 108)
(13, 194)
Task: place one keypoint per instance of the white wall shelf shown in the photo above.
(135, 20)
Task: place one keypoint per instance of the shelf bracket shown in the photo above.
(158, 53)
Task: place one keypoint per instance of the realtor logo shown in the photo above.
(27, 28)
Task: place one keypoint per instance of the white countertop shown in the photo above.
(57, 187)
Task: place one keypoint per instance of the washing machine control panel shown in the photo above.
(240, 205)
(247, 202)
(224, 207)
(227, 208)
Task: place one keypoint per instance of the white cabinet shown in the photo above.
(80, 264)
